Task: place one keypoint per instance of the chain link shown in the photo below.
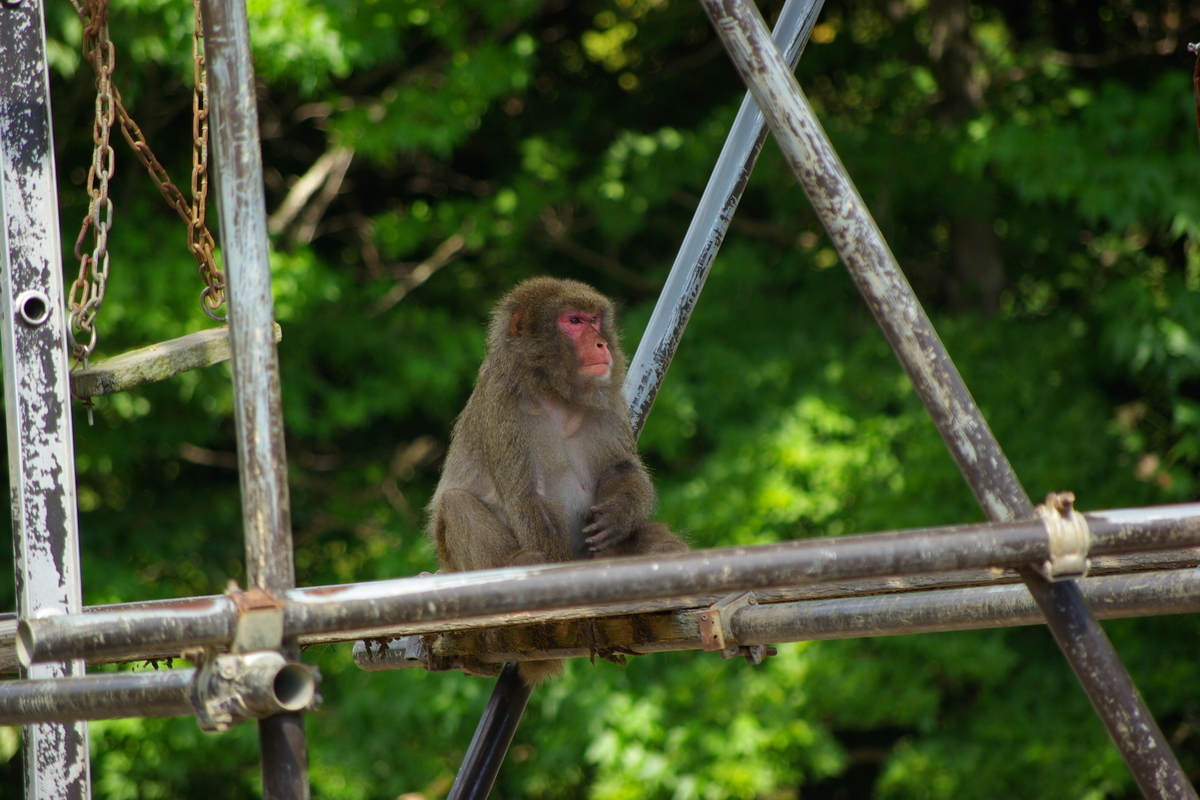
(200, 240)
(87, 292)
(87, 295)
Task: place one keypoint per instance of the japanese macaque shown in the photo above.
(542, 465)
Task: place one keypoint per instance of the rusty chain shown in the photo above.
(200, 240)
(87, 292)
(94, 14)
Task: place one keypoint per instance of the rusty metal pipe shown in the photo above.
(892, 614)
(868, 258)
(262, 460)
(984, 465)
(37, 401)
(261, 687)
(1112, 596)
(363, 606)
(116, 696)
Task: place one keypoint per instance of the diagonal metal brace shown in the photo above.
(1070, 538)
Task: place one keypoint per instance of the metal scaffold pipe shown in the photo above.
(979, 456)
(708, 227)
(116, 696)
(223, 691)
(428, 599)
(1008, 605)
(262, 461)
(758, 624)
(37, 404)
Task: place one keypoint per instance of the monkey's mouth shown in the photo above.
(599, 369)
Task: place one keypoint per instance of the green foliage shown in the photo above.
(494, 141)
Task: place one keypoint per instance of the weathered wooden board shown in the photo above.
(155, 363)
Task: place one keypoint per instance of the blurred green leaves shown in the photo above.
(488, 142)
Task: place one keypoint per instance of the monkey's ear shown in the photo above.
(514, 322)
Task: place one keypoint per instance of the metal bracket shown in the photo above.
(1070, 538)
(716, 634)
(403, 652)
(230, 688)
(260, 620)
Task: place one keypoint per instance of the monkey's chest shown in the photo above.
(566, 477)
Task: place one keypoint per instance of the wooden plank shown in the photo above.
(633, 635)
(155, 363)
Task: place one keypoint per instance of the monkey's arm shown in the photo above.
(624, 498)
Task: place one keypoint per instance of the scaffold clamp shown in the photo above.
(259, 621)
(716, 634)
(1070, 538)
(230, 688)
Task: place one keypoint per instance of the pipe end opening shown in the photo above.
(294, 687)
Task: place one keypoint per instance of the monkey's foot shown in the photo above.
(534, 672)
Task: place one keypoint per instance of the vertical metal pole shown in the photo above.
(649, 364)
(266, 512)
(41, 454)
(891, 299)
(481, 764)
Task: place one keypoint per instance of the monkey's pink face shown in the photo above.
(582, 329)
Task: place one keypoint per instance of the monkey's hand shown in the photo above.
(610, 525)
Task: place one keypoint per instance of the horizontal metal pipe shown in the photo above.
(362, 606)
(116, 696)
(1110, 597)
(1158, 560)
(233, 688)
(929, 611)
(169, 628)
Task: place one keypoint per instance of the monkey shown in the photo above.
(542, 465)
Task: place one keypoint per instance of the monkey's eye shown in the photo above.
(575, 320)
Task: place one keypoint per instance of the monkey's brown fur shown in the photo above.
(542, 464)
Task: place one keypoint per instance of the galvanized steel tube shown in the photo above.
(37, 400)
(1112, 597)
(266, 512)
(115, 696)
(866, 254)
(649, 364)
(363, 606)
(492, 737)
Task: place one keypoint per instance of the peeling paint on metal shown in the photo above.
(41, 461)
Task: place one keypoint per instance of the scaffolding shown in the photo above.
(1026, 566)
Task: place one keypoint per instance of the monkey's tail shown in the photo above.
(535, 672)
